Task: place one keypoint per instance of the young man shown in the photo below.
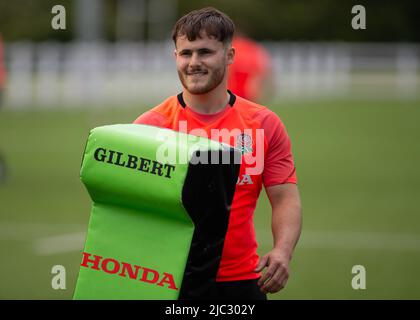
(203, 52)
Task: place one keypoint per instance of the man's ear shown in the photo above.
(230, 55)
(174, 53)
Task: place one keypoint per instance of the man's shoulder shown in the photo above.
(159, 115)
(267, 119)
(250, 108)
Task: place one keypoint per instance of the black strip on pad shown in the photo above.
(207, 197)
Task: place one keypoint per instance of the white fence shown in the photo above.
(54, 75)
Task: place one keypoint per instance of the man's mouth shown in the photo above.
(196, 73)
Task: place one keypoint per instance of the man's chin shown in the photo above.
(197, 90)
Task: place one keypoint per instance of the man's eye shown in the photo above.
(184, 54)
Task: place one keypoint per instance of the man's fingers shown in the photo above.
(275, 276)
(280, 284)
(277, 281)
(275, 287)
(271, 282)
(283, 284)
(261, 264)
(268, 274)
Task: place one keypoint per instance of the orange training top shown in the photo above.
(267, 159)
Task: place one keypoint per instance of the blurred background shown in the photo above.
(348, 97)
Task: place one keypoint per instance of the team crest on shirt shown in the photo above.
(244, 143)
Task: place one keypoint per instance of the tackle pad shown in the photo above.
(160, 210)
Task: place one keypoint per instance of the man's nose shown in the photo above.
(195, 59)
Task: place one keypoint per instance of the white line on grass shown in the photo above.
(353, 240)
(21, 231)
(60, 244)
(310, 240)
(45, 240)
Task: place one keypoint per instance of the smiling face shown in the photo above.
(202, 63)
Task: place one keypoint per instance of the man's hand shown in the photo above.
(275, 277)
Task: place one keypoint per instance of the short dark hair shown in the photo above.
(214, 22)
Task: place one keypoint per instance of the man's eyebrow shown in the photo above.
(199, 49)
(205, 49)
(184, 50)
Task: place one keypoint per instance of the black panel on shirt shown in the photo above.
(207, 196)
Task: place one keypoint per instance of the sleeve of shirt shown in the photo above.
(151, 118)
(279, 167)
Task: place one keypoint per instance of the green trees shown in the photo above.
(287, 20)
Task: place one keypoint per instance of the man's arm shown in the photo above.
(151, 118)
(286, 226)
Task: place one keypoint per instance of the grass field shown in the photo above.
(358, 165)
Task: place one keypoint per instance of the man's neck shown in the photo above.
(208, 103)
